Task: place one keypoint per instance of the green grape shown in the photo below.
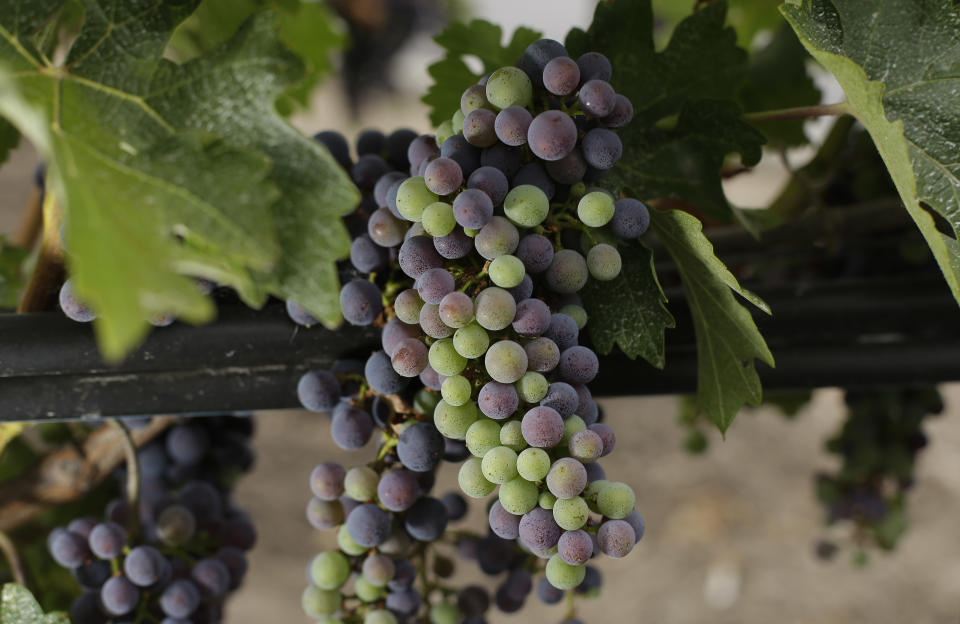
(425, 401)
(499, 464)
(360, 483)
(603, 262)
(483, 435)
(407, 306)
(438, 219)
(518, 496)
(453, 421)
(456, 122)
(577, 313)
(616, 500)
(547, 500)
(367, 591)
(495, 307)
(346, 543)
(532, 387)
(571, 426)
(472, 233)
(456, 390)
(571, 513)
(444, 358)
(595, 208)
(329, 569)
(444, 131)
(593, 489)
(562, 575)
(509, 86)
(505, 361)
(526, 205)
(319, 602)
(585, 446)
(380, 616)
(471, 341)
(578, 189)
(413, 197)
(471, 479)
(533, 464)
(511, 435)
(444, 613)
(506, 271)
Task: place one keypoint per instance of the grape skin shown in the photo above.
(535, 174)
(419, 447)
(385, 229)
(575, 547)
(490, 181)
(562, 397)
(536, 253)
(597, 97)
(567, 478)
(473, 208)
(505, 361)
(602, 148)
(398, 489)
(503, 523)
(443, 176)
(426, 520)
(594, 66)
(497, 238)
(417, 255)
(532, 318)
(552, 135)
(360, 302)
(431, 322)
(542, 427)
(351, 427)
(561, 76)
(578, 365)
(539, 530)
(568, 272)
(511, 125)
(631, 218)
(479, 128)
(616, 538)
(498, 400)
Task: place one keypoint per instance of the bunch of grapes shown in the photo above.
(878, 444)
(470, 247)
(176, 555)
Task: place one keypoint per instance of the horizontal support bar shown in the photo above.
(847, 333)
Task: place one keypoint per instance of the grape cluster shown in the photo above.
(878, 444)
(176, 555)
(469, 249)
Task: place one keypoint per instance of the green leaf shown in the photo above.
(18, 606)
(629, 311)
(451, 76)
(11, 274)
(899, 65)
(747, 17)
(696, 77)
(163, 166)
(727, 337)
(777, 78)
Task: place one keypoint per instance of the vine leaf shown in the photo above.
(18, 606)
(451, 75)
(165, 168)
(728, 340)
(629, 311)
(696, 77)
(9, 138)
(899, 66)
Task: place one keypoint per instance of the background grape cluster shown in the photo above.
(469, 249)
(178, 553)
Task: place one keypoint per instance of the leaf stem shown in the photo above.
(133, 477)
(9, 550)
(799, 112)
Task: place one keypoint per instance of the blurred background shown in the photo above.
(735, 530)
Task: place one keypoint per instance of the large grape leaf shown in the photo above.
(701, 68)
(18, 606)
(728, 340)
(9, 137)
(629, 311)
(898, 62)
(163, 167)
(451, 75)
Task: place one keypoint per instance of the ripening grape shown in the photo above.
(499, 465)
(497, 238)
(615, 500)
(518, 496)
(492, 182)
(533, 464)
(482, 436)
(511, 125)
(453, 421)
(552, 135)
(567, 478)
(526, 205)
(472, 481)
(456, 390)
(570, 513)
(561, 76)
(495, 308)
(456, 309)
(509, 86)
(498, 400)
(568, 272)
(595, 208)
(585, 445)
(562, 575)
(438, 219)
(506, 271)
(575, 547)
(602, 148)
(597, 97)
(616, 538)
(511, 436)
(471, 341)
(505, 361)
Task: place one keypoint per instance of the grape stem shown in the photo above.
(799, 112)
(41, 289)
(9, 550)
(133, 477)
(571, 605)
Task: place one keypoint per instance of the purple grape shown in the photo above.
(567, 478)
(542, 356)
(360, 301)
(455, 504)
(597, 97)
(594, 66)
(454, 245)
(621, 114)
(118, 596)
(142, 565)
(420, 446)
(324, 514)
(606, 436)
(83, 526)
(635, 520)
(578, 365)
(561, 76)
(366, 256)
(595, 472)
(187, 444)
(431, 378)
(536, 253)
(631, 218)
(472, 209)
(203, 499)
(547, 593)
(616, 538)
(538, 529)
(602, 148)
(542, 427)
(395, 332)
(456, 309)
(392, 198)
(552, 135)
(368, 525)
(568, 170)
(92, 575)
(299, 315)
(326, 481)
(503, 523)
(107, 540)
(383, 185)
(68, 549)
(491, 181)
(478, 127)
(498, 400)
(473, 601)
(536, 57)
(422, 148)
(370, 141)
(575, 547)
(459, 149)
(503, 157)
(431, 322)
(434, 284)
(443, 176)
(236, 562)
(404, 602)
(523, 290)
(397, 144)
(368, 169)
(318, 391)
(426, 520)
(337, 145)
(534, 174)
(398, 490)
(410, 357)
(380, 374)
(351, 426)
(417, 254)
(532, 318)
(211, 576)
(180, 599)
(562, 397)
(511, 125)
